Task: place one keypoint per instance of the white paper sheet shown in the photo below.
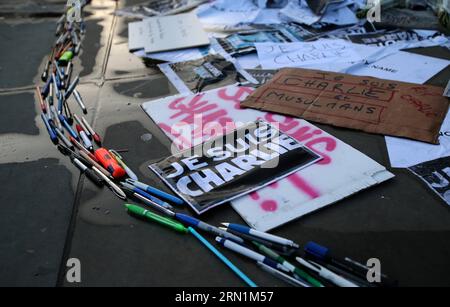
(403, 66)
(188, 120)
(229, 13)
(136, 35)
(405, 153)
(174, 56)
(341, 16)
(296, 12)
(168, 33)
(357, 59)
(301, 54)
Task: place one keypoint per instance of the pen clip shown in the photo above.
(115, 153)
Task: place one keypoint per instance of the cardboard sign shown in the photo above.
(363, 103)
(343, 171)
(233, 164)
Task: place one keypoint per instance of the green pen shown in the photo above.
(272, 254)
(139, 211)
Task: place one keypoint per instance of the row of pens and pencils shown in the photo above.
(316, 267)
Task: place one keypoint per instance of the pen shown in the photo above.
(68, 112)
(81, 148)
(41, 100)
(150, 203)
(86, 142)
(281, 248)
(322, 253)
(262, 235)
(45, 90)
(156, 218)
(79, 122)
(63, 139)
(156, 192)
(327, 274)
(68, 72)
(50, 130)
(191, 221)
(60, 74)
(89, 173)
(146, 195)
(291, 268)
(93, 133)
(51, 94)
(118, 191)
(55, 86)
(248, 253)
(79, 100)
(94, 163)
(284, 277)
(119, 160)
(224, 259)
(66, 125)
(44, 75)
(71, 87)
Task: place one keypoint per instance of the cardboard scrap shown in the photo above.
(363, 103)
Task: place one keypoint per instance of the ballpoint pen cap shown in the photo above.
(127, 186)
(316, 250)
(130, 181)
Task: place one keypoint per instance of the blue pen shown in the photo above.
(222, 257)
(191, 221)
(63, 120)
(50, 130)
(146, 195)
(240, 249)
(55, 84)
(60, 74)
(60, 102)
(260, 234)
(156, 192)
(46, 89)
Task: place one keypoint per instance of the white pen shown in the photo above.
(235, 247)
(327, 274)
(115, 188)
(284, 277)
(260, 234)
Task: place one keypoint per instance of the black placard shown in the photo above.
(233, 164)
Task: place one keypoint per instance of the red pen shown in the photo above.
(82, 149)
(84, 138)
(41, 100)
(96, 137)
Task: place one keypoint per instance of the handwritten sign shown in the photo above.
(363, 103)
(188, 120)
(173, 32)
(300, 54)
